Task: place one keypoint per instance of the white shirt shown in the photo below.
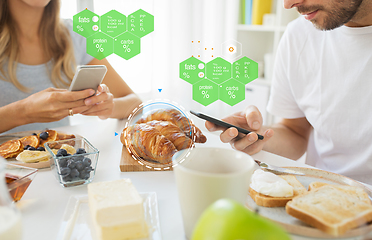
(326, 76)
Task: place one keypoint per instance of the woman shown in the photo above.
(38, 57)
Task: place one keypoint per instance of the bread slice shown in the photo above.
(330, 209)
(268, 201)
(351, 190)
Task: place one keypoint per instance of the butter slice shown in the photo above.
(117, 210)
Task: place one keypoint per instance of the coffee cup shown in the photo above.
(209, 174)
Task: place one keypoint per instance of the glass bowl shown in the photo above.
(18, 178)
(76, 169)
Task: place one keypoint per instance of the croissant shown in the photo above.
(173, 133)
(148, 143)
(178, 119)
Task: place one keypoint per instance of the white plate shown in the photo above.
(297, 227)
(77, 223)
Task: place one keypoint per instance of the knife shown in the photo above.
(278, 170)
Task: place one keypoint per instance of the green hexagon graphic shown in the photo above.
(113, 23)
(232, 92)
(86, 23)
(140, 23)
(218, 70)
(192, 70)
(205, 92)
(127, 45)
(100, 45)
(245, 70)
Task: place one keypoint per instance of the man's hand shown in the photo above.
(53, 104)
(101, 105)
(250, 119)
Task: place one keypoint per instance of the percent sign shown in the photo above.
(231, 93)
(205, 94)
(80, 29)
(99, 48)
(126, 48)
(186, 75)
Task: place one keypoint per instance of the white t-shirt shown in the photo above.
(326, 76)
(37, 78)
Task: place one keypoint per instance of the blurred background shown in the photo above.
(177, 24)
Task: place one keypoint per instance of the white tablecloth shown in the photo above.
(44, 202)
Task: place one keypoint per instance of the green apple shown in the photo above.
(229, 220)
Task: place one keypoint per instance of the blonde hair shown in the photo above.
(56, 42)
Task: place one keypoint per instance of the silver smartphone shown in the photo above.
(88, 77)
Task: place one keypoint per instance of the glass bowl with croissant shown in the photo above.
(154, 136)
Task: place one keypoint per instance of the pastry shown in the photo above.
(32, 140)
(51, 136)
(160, 134)
(148, 143)
(11, 148)
(173, 133)
(178, 119)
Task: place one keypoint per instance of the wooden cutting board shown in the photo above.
(128, 164)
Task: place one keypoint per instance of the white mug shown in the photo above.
(209, 174)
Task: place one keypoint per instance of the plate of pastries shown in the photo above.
(155, 136)
(27, 148)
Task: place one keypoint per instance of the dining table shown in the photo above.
(44, 203)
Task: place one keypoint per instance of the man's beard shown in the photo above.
(339, 14)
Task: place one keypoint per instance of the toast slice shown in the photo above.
(268, 201)
(351, 190)
(330, 209)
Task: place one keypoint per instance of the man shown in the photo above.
(322, 88)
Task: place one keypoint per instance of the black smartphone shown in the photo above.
(222, 123)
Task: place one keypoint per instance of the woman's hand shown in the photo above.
(53, 104)
(101, 104)
(251, 119)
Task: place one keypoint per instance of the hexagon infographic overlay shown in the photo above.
(218, 79)
(113, 32)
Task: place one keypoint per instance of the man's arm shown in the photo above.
(290, 138)
(287, 138)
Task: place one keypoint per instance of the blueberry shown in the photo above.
(71, 164)
(67, 178)
(80, 151)
(87, 176)
(44, 135)
(62, 162)
(88, 169)
(59, 155)
(40, 149)
(26, 147)
(34, 134)
(62, 152)
(77, 157)
(82, 174)
(87, 162)
(65, 171)
(79, 165)
(31, 148)
(74, 173)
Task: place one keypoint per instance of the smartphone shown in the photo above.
(222, 123)
(88, 77)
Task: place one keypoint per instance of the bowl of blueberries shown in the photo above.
(75, 161)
